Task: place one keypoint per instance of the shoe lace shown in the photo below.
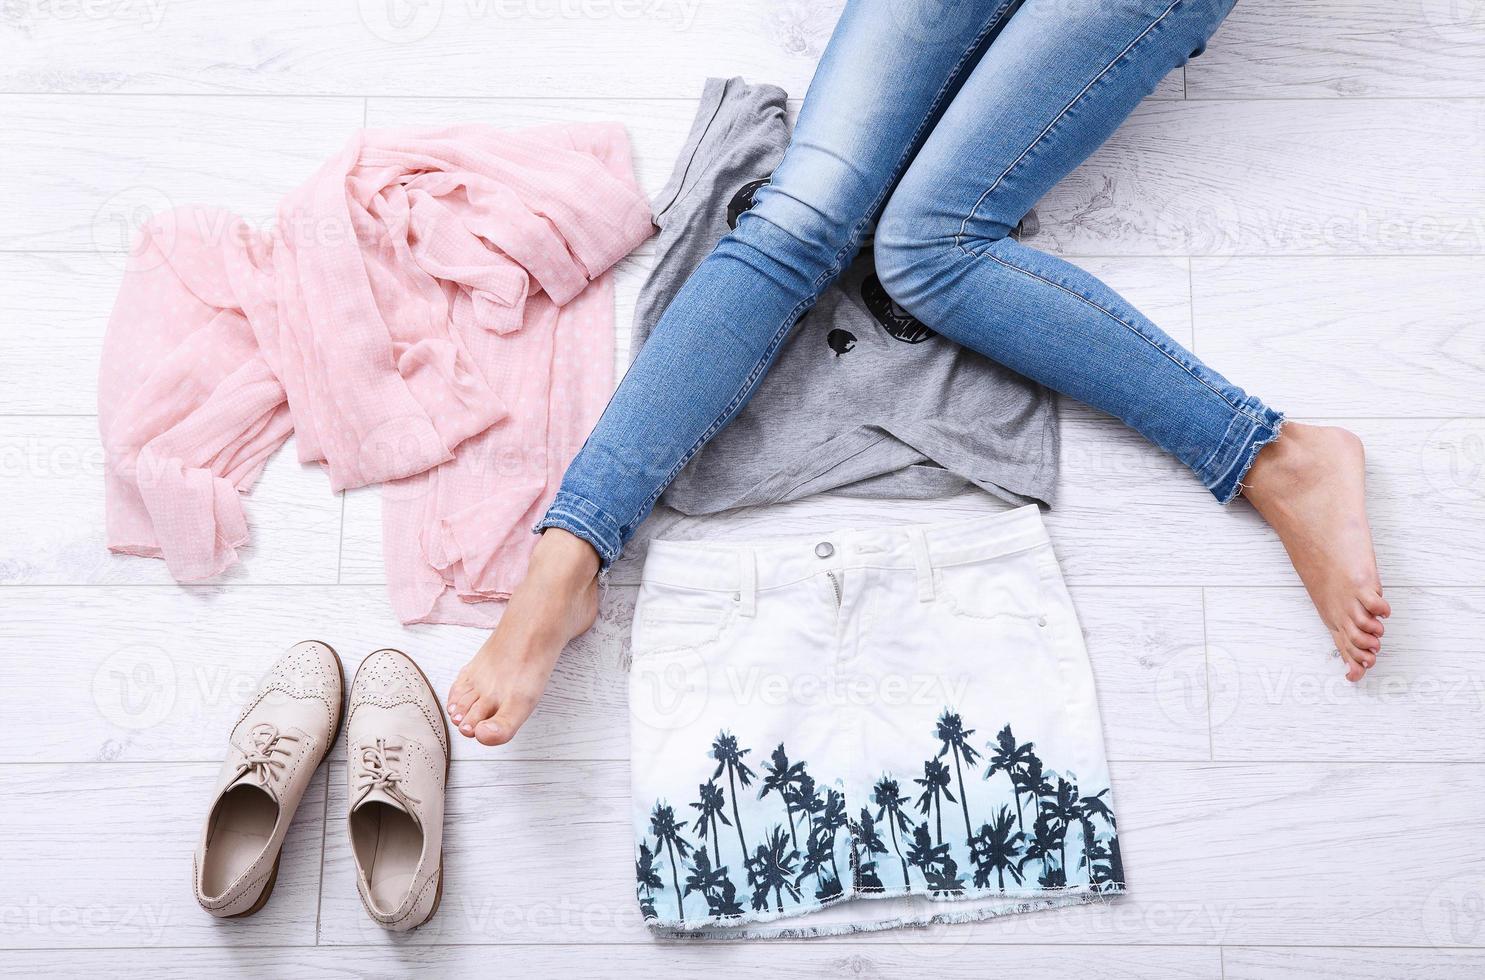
(260, 752)
(378, 770)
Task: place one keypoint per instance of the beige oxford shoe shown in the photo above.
(275, 746)
(397, 763)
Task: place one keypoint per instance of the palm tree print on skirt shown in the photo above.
(983, 817)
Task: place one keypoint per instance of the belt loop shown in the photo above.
(747, 592)
(922, 562)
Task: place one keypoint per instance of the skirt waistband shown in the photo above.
(727, 566)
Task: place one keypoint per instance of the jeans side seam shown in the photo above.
(1255, 447)
(825, 277)
(1239, 409)
(964, 225)
(1227, 438)
(1245, 452)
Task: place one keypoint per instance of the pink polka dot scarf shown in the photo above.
(432, 311)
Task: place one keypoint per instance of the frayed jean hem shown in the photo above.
(582, 517)
(1251, 430)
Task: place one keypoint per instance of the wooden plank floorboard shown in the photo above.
(1128, 514)
(101, 856)
(1343, 49)
(100, 165)
(623, 962)
(1248, 963)
(654, 49)
(158, 673)
(1363, 337)
(1285, 177)
(1277, 690)
(51, 514)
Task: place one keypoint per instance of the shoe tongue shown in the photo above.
(376, 758)
(260, 739)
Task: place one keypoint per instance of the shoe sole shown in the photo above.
(334, 737)
(448, 758)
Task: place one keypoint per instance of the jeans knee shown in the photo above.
(910, 249)
(924, 242)
(793, 227)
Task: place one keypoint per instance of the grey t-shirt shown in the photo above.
(863, 399)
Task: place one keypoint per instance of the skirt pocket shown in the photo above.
(668, 618)
(1009, 590)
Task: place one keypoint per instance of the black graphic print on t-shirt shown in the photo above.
(899, 323)
(743, 200)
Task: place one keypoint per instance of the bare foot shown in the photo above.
(496, 691)
(1310, 485)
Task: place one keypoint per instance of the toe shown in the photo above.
(492, 733)
(1359, 652)
(457, 691)
(1361, 640)
(1371, 624)
(467, 698)
(504, 725)
(1373, 602)
(481, 709)
(1350, 656)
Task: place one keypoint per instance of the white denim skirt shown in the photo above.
(864, 729)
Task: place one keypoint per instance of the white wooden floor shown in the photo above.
(1304, 205)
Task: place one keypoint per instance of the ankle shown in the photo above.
(564, 561)
(1277, 466)
(1302, 457)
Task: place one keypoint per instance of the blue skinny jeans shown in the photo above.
(942, 123)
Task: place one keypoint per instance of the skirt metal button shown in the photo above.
(824, 549)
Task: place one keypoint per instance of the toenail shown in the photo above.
(458, 717)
